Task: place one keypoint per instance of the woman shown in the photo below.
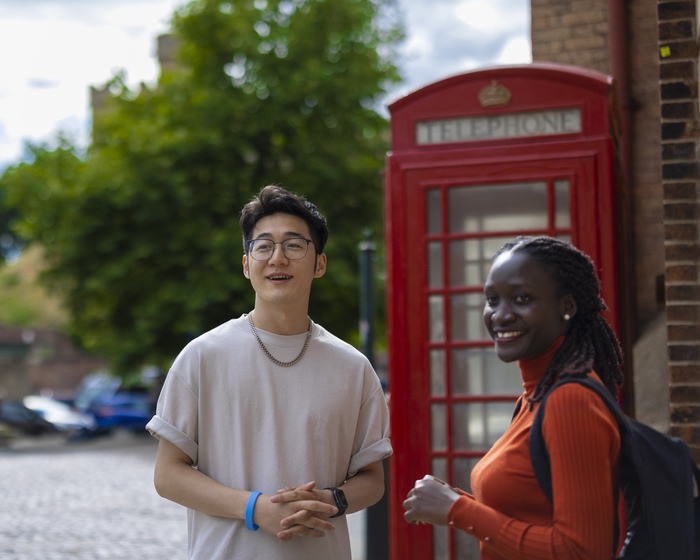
(542, 309)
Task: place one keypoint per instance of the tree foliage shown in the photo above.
(142, 237)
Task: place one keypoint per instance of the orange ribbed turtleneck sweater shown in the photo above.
(510, 514)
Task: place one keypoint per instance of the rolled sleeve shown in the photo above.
(176, 417)
(372, 442)
(159, 428)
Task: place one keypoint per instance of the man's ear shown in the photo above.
(246, 273)
(320, 265)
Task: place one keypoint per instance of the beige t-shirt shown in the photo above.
(253, 425)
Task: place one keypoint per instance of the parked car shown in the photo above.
(24, 421)
(66, 420)
(114, 406)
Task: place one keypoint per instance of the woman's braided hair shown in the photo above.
(590, 343)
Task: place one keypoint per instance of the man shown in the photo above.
(268, 420)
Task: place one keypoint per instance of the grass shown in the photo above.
(24, 302)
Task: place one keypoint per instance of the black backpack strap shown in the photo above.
(538, 450)
(518, 406)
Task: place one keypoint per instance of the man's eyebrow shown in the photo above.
(286, 234)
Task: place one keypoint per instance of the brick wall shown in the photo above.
(576, 32)
(41, 359)
(650, 367)
(679, 150)
(571, 32)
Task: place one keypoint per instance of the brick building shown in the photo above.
(651, 49)
(36, 359)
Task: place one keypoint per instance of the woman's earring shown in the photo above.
(567, 317)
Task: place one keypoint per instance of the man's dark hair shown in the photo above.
(274, 200)
(590, 343)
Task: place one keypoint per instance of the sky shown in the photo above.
(52, 51)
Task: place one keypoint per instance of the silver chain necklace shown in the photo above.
(267, 352)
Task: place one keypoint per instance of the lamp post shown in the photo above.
(377, 516)
(367, 252)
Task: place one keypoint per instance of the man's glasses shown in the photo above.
(294, 248)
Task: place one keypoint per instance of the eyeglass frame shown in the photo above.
(249, 244)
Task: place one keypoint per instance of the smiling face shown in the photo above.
(524, 313)
(280, 281)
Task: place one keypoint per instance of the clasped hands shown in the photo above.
(295, 511)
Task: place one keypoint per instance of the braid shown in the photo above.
(590, 343)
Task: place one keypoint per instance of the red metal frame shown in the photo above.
(586, 159)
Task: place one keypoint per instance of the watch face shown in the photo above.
(340, 497)
(340, 501)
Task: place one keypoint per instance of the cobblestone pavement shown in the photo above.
(86, 501)
(93, 500)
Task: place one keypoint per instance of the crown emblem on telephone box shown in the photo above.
(494, 95)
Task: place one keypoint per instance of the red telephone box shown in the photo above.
(476, 160)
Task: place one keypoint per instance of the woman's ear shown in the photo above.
(567, 307)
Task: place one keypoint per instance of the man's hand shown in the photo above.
(299, 511)
(305, 510)
(429, 501)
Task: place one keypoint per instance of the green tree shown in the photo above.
(142, 236)
(10, 243)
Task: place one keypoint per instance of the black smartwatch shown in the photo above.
(340, 502)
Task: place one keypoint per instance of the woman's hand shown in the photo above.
(429, 501)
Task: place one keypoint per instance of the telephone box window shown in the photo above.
(439, 467)
(467, 317)
(434, 264)
(434, 212)
(437, 330)
(466, 547)
(438, 427)
(506, 207)
(462, 468)
(478, 371)
(470, 260)
(485, 422)
(562, 214)
(440, 542)
(437, 373)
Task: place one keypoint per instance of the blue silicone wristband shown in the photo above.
(249, 508)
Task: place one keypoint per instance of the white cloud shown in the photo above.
(60, 49)
(446, 37)
(517, 50)
(479, 15)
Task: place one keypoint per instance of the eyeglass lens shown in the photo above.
(293, 249)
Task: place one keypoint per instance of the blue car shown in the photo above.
(113, 406)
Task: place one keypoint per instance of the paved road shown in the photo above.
(86, 501)
(93, 500)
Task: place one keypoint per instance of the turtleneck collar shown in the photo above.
(532, 369)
